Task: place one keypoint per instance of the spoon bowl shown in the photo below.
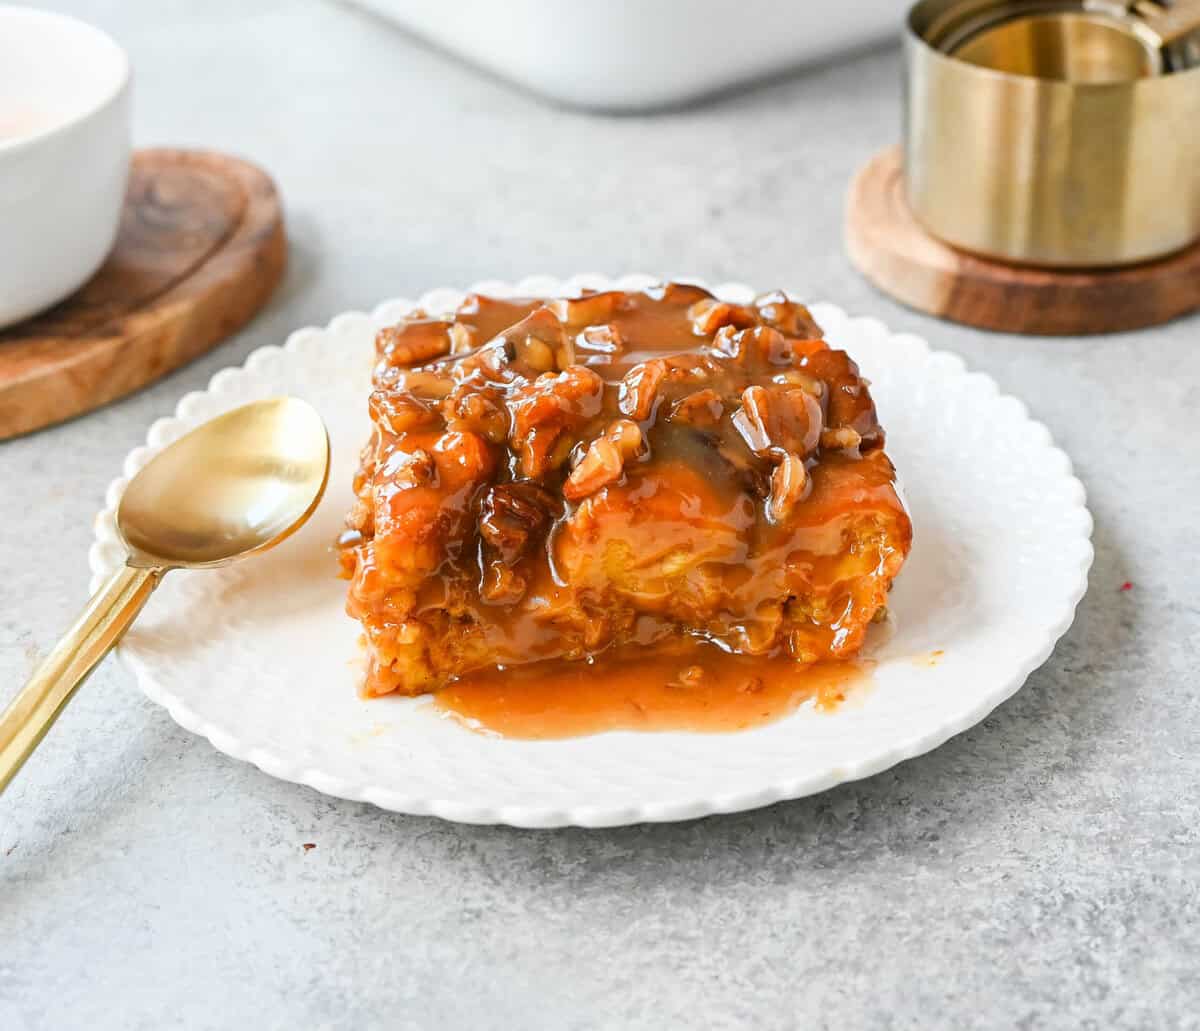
(235, 486)
(231, 488)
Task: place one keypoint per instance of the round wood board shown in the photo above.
(200, 249)
(895, 253)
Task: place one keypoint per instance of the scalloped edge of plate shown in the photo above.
(106, 553)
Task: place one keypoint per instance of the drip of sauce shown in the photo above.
(695, 687)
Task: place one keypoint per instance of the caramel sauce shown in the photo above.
(696, 687)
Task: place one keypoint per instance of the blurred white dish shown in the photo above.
(261, 659)
(64, 155)
(634, 54)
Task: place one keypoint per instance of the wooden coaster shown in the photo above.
(200, 249)
(895, 253)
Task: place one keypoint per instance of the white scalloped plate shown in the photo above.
(261, 660)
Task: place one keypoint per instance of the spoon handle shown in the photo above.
(100, 626)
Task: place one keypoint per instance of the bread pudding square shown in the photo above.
(552, 478)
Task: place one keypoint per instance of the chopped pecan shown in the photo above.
(361, 517)
(841, 437)
(399, 411)
(536, 344)
(541, 411)
(410, 468)
(709, 315)
(513, 517)
(639, 389)
(776, 309)
(761, 343)
(774, 421)
(465, 457)
(478, 409)
(691, 368)
(413, 342)
(604, 461)
(493, 361)
(501, 585)
(628, 438)
(425, 384)
(535, 353)
(789, 483)
(600, 466)
(462, 339)
(600, 340)
(703, 408)
(848, 403)
(589, 308)
(678, 293)
(797, 378)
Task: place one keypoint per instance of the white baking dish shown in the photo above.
(636, 54)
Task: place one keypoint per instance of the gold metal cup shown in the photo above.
(1050, 133)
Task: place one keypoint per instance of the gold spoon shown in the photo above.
(233, 487)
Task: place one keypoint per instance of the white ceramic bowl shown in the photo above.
(64, 155)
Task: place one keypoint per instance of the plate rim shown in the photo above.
(163, 430)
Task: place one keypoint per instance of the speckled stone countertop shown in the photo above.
(1041, 870)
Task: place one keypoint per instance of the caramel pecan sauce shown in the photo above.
(693, 687)
(548, 479)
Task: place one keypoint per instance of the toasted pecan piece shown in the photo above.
(543, 411)
(604, 461)
(776, 421)
(413, 342)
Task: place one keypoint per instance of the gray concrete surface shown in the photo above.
(1039, 871)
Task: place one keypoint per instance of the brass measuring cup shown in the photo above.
(1055, 132)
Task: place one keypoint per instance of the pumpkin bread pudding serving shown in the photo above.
(558, 478)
